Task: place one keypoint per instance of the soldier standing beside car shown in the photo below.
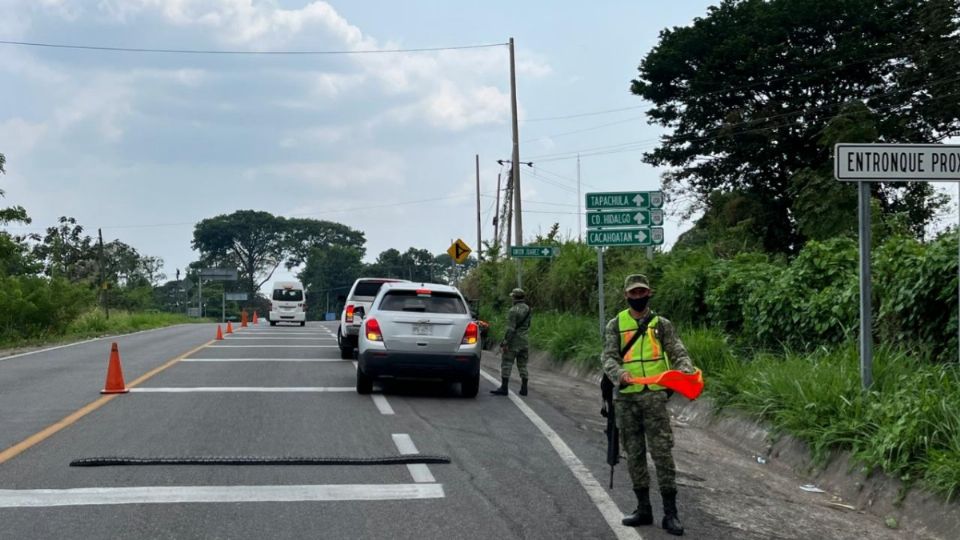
(639, 343)
(514, 345)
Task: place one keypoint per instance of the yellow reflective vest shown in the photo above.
(646, 357)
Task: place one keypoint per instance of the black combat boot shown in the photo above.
(502, 391)
(671, 522)
(523, 387)
(643, 515)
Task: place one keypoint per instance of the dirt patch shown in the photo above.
(739, 480)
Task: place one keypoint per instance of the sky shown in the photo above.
(144, 145)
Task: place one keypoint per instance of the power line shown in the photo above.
(643, 144)
(624, 121)
(580, 115)
(238, 52)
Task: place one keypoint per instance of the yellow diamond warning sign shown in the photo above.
(459, 251)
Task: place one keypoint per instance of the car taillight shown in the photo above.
(350, 313)
(470, 335)
(372, 329)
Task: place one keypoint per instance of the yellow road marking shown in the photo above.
(70, 419)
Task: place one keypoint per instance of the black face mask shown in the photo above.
(638, 304)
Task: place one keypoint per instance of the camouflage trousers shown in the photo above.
(645, 425)
(507, 359)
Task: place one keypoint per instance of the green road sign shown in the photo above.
(625, 218)
(622, 200)
(534, 251)
(625, 237)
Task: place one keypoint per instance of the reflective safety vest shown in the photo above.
(646, 358)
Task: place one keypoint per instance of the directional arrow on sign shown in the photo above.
(641, 218)
(641, 235)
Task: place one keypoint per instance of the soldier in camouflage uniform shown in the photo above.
(514, 346)
(639, 343)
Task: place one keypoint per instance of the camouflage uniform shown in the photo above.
(515, 339)
(643, 417)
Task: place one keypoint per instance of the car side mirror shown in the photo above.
(360, 312)
(474, 314)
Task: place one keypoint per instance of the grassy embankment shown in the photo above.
(907, 426)
(94, 323)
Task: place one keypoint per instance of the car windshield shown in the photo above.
(436, 302)
(287, 295)
(368, 288)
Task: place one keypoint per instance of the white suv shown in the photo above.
(357, 303)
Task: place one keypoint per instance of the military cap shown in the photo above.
(636, 281)
(518, 294)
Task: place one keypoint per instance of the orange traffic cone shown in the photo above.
(255, 318)
(229, 328)
(243, 319)
(114, 384)
(219, 333)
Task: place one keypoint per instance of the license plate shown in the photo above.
(422, 330)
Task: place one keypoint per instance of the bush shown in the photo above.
(35, 307)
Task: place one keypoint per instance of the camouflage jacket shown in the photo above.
(518, 325)
(666, 333)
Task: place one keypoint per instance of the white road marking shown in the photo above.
(281, 338)
(419, 471)
(177, 389)
(381, 402)
(601, 499)
(25, 498)
(278, 346)
(262, 360)
(262, 333)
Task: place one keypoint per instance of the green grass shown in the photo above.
(94, 323)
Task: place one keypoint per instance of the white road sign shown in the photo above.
(896, 162)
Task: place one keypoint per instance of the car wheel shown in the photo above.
(470, 387)
(346, 352)
(273, 323)
(364, 383)
(303, 323)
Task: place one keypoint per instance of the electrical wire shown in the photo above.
(238, 52)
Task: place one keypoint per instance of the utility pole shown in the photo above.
(509, 205)
(479, 245)
(516, 148)
(579, 215)
(105, 299)
(496, 215)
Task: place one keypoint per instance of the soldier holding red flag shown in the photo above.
(639, 348)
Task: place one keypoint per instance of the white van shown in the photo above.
(288, 303)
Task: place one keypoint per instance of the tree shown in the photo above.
(329, 272)
(15, 257)
(257, 242)
(249, 240)
(304, 235)
(67, 252)
(749, 89)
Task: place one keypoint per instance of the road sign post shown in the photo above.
(865, 163)
(622, 218)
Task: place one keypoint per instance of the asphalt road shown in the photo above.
(508, 477)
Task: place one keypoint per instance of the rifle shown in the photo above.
(612, 431)
(607, 411)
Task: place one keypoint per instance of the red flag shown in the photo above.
(690, 385)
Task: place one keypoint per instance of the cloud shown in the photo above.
(364, 169)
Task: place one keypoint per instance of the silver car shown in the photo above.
(419, 330)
